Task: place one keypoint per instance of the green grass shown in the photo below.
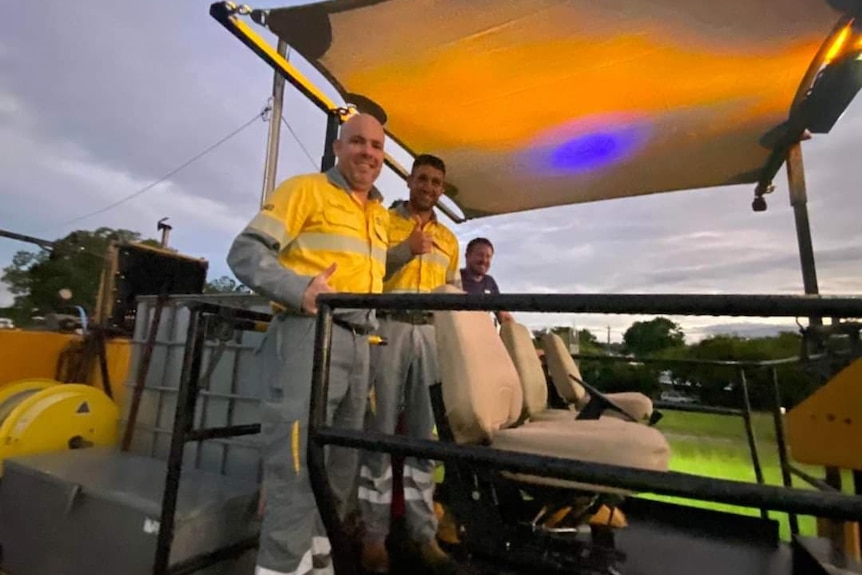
(716, 446)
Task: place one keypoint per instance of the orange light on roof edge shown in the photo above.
(838, 44)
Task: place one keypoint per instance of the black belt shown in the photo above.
(350, 327)
(413, 318)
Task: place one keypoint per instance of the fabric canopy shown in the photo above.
(538, 103)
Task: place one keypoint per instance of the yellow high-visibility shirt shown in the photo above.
(317, 222)
(425, 272)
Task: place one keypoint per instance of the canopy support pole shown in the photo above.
(270, 166)
(799, 201)
(834, 530)
(333, 123)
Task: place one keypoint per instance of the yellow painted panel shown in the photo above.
(826, 427)
(34, 354)
(31, 354)
(119, 352)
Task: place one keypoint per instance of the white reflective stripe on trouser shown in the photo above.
(305, 565)
(366, 494)
(417, 475)
(413, 494)
(319, 546)
(365, 473)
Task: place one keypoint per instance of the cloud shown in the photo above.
(122, 96)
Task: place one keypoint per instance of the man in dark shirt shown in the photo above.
(475, 278)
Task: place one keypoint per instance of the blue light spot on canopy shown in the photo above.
(592, 151)
(588, 144)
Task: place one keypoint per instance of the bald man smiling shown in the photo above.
(317, 233)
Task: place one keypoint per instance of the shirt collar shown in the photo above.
(403, 211)
(336, 178)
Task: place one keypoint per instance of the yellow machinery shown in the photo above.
(824, 429)
(36, 354)
(63, 390)
(43, 415)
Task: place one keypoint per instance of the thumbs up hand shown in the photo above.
(420, 242)
(317, 286)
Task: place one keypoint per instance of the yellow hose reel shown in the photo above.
(43, 415)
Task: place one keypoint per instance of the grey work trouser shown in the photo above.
(292, 539)
(402, 372)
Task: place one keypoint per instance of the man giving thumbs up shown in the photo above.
(317, 233)
(403, 370)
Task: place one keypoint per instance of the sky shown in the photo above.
(100, 99)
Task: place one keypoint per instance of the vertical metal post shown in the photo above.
(270, 166)
(749, 433)
(799, 201)
(778, 420)
(333, 122)
(183, 420)
(342, 552)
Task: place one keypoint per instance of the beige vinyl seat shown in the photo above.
(483, 401)
(519, 343)
(561, 365)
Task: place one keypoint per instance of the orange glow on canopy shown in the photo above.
(539, 103)
(474, 83)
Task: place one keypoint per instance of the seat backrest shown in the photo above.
(560, 365)
(481, 388)
(519, 343)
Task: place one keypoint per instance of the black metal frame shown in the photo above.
(744, 413)
(822, 504)
(787, 469)
(203, 317)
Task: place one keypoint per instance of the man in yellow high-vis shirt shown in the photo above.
(403, 370)
(317, 233)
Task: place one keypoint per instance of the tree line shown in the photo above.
(76, 261)
(645, 361)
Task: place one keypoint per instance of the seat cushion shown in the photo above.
(519, 344)
(481, 388)
(554, 415)
(569, 415)
(608, 440)
(634, 403)
(560, 365)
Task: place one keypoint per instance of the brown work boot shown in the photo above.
(375, 557)
(447, 528)
(609, 517)
(436, 558)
